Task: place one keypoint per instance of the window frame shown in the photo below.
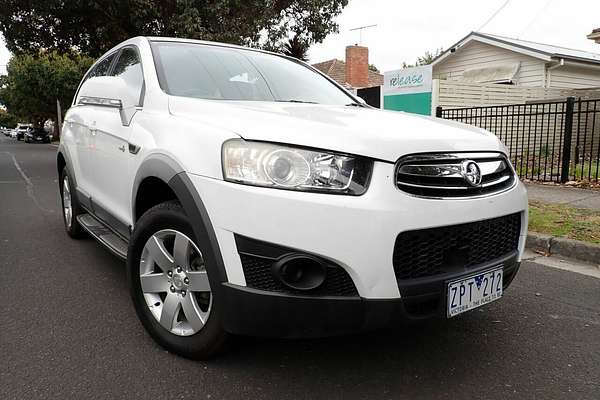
(116, 53)
(92, 68)
(139, 56)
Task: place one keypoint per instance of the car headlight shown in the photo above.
(292, 168)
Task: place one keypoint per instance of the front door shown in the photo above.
(111, 129)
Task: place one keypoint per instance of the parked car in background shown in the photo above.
(250, 194)
(37, 135)
(21, 129)
(6, 131)
(13, 133)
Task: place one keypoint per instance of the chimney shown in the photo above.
(357, 66)
(595, 35)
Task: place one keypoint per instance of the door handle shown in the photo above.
(122, 148)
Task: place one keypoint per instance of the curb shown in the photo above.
(569, 248)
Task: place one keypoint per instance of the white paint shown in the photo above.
(480, 55)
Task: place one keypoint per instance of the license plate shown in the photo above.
(474, 291)
(38, 139)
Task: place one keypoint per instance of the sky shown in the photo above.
(406, 29)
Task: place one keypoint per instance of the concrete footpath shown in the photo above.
(575, 197)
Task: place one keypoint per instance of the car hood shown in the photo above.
(385, 135)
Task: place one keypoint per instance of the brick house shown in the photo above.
(353, 73)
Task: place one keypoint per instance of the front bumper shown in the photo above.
(258, 313)
(356, 233)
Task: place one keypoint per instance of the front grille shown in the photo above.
(435, 251)
(257, 271)
(446, 175)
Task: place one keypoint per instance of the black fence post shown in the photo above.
(438, 111)
(566, 156)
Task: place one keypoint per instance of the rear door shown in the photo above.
(112, 197)
(81, 148)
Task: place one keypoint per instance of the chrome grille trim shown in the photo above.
(441, 175)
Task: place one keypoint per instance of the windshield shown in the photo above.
(221, 73)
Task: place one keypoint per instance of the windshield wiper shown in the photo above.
(355, 105)
(296, 101)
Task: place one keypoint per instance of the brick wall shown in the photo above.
(357, 66)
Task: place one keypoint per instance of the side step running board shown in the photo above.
(104, 235)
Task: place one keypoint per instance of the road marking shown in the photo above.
(28, 183)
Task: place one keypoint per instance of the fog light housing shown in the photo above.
(299, 272)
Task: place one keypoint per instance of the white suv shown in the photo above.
(251, 194)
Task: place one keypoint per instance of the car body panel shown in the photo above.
(384, 135)
(355, 232)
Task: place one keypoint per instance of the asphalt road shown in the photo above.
(68, 329)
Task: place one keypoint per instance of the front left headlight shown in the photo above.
(293, 168)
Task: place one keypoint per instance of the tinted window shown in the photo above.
(101, 69)
(221, 73)
(128, 68)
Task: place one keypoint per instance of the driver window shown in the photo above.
(129, 68)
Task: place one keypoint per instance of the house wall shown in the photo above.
(453, 94)
(476, 55)
(573, 77)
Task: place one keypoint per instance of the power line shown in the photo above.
(534, 19)
(493, 15)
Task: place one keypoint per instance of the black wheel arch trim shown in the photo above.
(62, 152)
(172, 173)
(194, 208)
(157, 166)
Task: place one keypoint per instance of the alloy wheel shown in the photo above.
(66, 200)
(175, 283)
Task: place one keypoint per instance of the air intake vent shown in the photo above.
(454, 175)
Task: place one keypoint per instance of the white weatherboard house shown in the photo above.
(481, 58)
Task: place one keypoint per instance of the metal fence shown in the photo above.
(547, 141)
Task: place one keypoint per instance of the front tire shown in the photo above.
(169, 285)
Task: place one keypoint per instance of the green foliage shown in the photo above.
(297, 48)
(35, 82)
(7, 119)
(92, 27)
(564, 221)
(373, 68)
(589, 168)
(425, 59)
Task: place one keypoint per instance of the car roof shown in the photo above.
(209, 43)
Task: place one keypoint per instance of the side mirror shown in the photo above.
(110, 91)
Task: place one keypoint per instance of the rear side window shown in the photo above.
(101, 69)
(129, 68)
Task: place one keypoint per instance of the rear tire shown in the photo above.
(177, 307)
(70, 206)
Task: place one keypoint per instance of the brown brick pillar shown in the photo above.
(357, 66)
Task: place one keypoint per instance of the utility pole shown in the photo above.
(58, 125)
(360, 29)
